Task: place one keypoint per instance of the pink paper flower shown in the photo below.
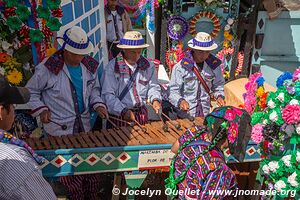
(230, 115)
(296, 75)
(291, 114)
(233, 132)
(238, 112)
(257, 133)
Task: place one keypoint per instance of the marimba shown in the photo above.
(119, 149)
(124, 149)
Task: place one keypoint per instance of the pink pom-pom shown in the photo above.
(257, 134)
(291, 114)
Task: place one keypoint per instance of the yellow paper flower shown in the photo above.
(260, 91)
(50, 51)
(226, 44)
(11, 64)
(14, 77)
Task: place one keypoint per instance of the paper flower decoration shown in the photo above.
(23, 13)
(54, 24)
(14, 23)
(177, 27)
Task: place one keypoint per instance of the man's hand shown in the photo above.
(221, 101)
(129, 116)
(45, 116)
(102, 112)
(184, 105)
(156, 106)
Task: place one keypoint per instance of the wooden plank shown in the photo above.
(145, 135)
(157, 133)
(53, 142)
(174, 130)
(95, 140)
(81, 141)
(67, 141)
(74, 143)
(109, 137)
(131, 137)
(102, 138)
(116, 137)
(60, 143)
(39, 144)
(160, 130)
(46, 143)
(87, 140)
(139, 138)
(154, 136)
(31, 143)
(123, 136)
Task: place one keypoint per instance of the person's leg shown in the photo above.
(92, 186)
(74, 185)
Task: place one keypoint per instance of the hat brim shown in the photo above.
(133, 47)
(212, 47)
(85, 51)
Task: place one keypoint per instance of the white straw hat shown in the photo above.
(132, 40)
(202, 41)
(76, 41)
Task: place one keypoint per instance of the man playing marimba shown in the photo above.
(130, 80)
(197, 78)
(64, 89)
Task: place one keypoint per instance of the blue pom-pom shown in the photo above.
(282, 78)
(260, 81)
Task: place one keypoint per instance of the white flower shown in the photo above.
(5, 45)
(209, 1)
(279, 185)
(26, 66)
(294, 102)
(298, 129)
(273, 165)
(227, 27)
(10, 52)
(289, 129)
(265, 122)
(280, 96)
(230, 21)
(287, 160)
(266, 169)
(271, 104)
(2, 70)
(273, 116)
(298, 157)
(292, 180)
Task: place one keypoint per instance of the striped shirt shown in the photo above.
(21, 179)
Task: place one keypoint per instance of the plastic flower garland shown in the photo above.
(177, 27)
(143, 6)
(17, 15)
(255, 96)
(212, 16)
(223, 55)
(277, 131)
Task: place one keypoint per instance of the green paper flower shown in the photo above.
(23, 13)
(36, 35)
(297, 89)
(257, 117)
(53, 4)
(53, 24)
(11, 3)
(275, 116)
(43, 12)
(14, 23)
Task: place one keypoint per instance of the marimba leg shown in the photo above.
(134, 180)
(117, 185)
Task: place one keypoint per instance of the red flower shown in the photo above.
(57, 12)
(24, 31)
(9, 11)
(230, 115)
